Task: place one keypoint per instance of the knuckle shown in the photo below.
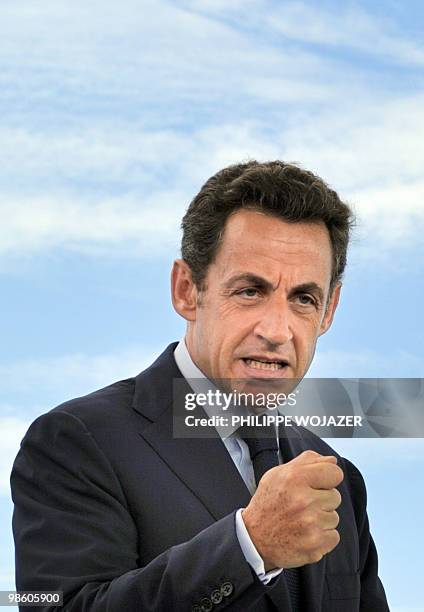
(314, 540)
(299, 502)
(270, 476)
(337, 498)
(290, 475)
(294, 479)
(339, 473)
(315, 556)
(336, 519)
(267, 477)
(308, 522)
(333, 538)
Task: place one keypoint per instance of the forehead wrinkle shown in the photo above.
(282, 247)
(269, 264)
(277, 256)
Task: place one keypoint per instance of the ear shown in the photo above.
(330, 310)
(183, 290)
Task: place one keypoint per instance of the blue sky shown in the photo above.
(113, 115)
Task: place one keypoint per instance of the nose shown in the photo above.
(274, 325)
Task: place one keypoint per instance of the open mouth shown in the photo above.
(262, 364)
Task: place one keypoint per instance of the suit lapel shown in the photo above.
(204, 465)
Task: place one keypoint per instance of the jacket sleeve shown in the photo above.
(373, 597)
(74, 533)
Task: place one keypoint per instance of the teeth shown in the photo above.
(263, 365)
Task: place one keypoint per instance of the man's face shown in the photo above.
(266, 300)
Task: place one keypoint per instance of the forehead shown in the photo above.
(260, 243)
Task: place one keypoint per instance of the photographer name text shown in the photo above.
(275, 419)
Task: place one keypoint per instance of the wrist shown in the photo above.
(268, 565)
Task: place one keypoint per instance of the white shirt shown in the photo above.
(239, 453)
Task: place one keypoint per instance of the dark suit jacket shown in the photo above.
(120, 516)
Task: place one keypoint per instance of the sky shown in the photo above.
(113, 114)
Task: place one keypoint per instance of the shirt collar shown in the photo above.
(199, 383)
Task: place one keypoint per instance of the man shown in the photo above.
(119, 514)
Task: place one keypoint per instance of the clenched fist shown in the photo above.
(292, 517)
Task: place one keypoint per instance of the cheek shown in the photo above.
(231, 334)
(305, 334)
(228, 309)
(234, 321)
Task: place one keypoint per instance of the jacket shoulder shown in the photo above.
(103, 403)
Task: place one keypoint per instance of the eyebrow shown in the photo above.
(258, 281)
(252, 279)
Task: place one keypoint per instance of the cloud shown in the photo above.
(349, 27)
(372, 146)
(391, 219)
(72, 374)
(373, 156)
(141, 54)
(365, 364)
(120, 126)
(373, 453)
(111, 226)
(143, 219)
(104, 161)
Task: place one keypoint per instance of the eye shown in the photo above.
(249, 292)
(306, 300)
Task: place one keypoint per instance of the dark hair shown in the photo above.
(276, 188)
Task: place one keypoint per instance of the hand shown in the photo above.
(292, 518)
